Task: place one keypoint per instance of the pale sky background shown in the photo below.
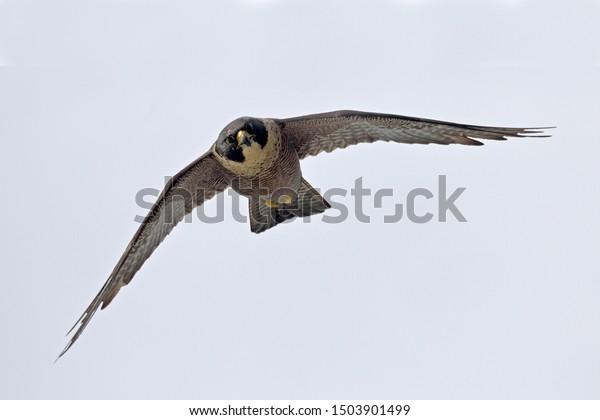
(99, 99)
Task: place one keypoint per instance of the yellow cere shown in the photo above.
(240, 136)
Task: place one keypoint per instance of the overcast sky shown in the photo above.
(100, 99)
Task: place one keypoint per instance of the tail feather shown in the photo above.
(307, 201)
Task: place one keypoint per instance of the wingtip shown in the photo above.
(72, 328)
(536, 132)
(67, 347)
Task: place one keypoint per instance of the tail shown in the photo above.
(306, 202)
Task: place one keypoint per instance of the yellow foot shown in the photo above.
(271, 204)
(286, 199)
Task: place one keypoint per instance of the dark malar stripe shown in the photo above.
(256, 127)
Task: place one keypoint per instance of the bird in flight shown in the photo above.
(260, 159)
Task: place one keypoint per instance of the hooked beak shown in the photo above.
(243, 137)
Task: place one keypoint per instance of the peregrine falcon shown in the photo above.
(260, 159)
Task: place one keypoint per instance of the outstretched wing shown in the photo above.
(198, 182)
(312, 134)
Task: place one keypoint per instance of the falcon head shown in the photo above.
(239, 136)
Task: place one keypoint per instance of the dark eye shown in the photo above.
(229, 140)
